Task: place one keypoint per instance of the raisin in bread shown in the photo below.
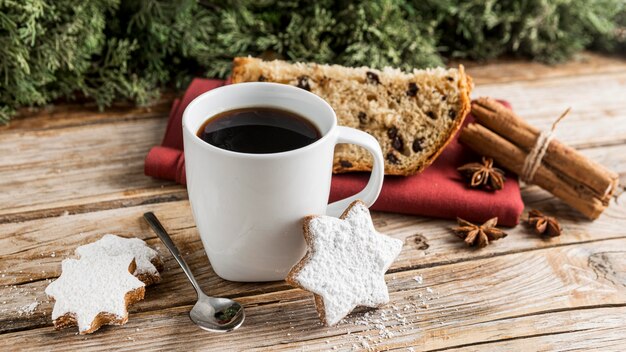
(412, 115)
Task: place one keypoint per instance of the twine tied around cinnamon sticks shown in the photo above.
(501, 134)
(533, 160)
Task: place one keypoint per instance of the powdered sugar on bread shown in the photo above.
(346, 263)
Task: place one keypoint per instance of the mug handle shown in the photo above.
(370, 193)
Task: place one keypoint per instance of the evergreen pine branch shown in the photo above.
(131, 49)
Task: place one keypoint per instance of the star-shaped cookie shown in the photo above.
(94, 291)
(147, 259)
(346, 263)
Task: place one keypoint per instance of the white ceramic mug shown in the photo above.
(249, 207)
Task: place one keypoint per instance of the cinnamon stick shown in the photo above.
(511, 156)
(566, 160)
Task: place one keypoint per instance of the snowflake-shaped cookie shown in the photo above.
(147, 259)
(93, 291)
(346, 263)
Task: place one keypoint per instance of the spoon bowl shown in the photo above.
(217, 314)
(209, 313)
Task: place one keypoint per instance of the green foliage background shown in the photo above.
(107, 50)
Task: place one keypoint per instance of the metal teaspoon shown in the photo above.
(210, 313)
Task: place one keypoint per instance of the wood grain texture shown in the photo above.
(466, 299)
(518, 70)
(67, 164)
(87, 113)
(599, 329)
(598, 105)
(69, 174)
(67, 168)
(27, 240)
(32, 251)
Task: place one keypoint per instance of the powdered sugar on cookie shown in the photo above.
(93, 291)
(146, 258)
(346, 262)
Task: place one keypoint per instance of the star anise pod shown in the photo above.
(479, 236)
(483, 175)
(543, 224)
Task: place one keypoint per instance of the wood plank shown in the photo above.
(600, 337)
(81, 168)
(549, 289)
(40, 245)
(598, 105)
(62, 234)
(37, 240)
(583, 272)
(32, 250)
(64, 115)
(23, 252)
(517, 70)
(64, 169)
(596, 330)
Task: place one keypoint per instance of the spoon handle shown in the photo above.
(160, 231)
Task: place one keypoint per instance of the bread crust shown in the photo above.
(246, 67)
(238, 68)
(465, 87)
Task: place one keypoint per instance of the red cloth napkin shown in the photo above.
(439, 191)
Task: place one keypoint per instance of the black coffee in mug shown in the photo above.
(258, 130)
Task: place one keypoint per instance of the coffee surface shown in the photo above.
(258, 130)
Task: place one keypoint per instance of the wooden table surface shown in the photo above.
(70, 174)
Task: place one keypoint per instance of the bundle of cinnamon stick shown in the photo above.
(504, 136)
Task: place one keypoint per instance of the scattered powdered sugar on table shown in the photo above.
(28, 309)
(372, 329)
(16, 295)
